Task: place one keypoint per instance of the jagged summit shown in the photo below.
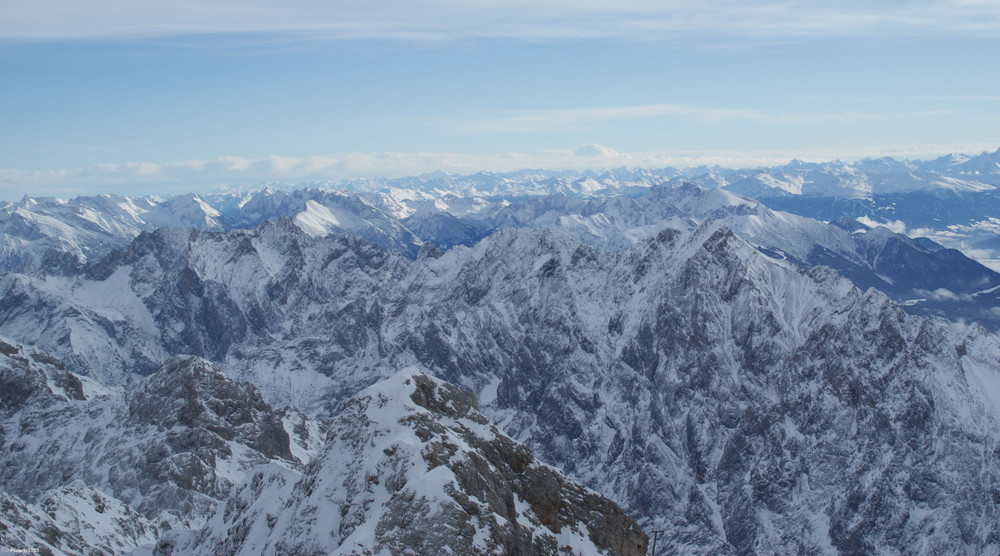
(189, 392)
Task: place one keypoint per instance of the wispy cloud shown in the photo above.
(533, 121)
(538, 19)
(205, 175)
(897, 226)
(943, 294)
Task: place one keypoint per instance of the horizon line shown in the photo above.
(140, 179)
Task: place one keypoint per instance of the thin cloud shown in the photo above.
(457, 19)
(204, 175)
(535, 121)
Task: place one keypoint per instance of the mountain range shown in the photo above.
(714, 392)
(953, 198)
(564, 370)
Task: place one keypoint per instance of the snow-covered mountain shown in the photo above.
(926, 277)
(190, 461)
(735, 401)
(922, 194)
(49, 231)
(684, 351)
(953, 199)
(858, 180)
(52, 235)
(833, 179)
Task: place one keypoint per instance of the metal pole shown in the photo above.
(656, 535)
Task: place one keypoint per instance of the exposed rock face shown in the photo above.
(412, 467)
(33, 380)
(170, 446)
(191, 393)
(210, 295)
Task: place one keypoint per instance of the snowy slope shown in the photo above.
(81, 228)
(74, 519)
(57, 236)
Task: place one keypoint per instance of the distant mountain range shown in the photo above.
(954, 196)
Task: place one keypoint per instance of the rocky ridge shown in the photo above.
(409, 466)
(73, 519)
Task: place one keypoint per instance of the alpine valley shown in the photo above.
(526, 363)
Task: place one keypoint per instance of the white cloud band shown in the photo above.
(449, 19)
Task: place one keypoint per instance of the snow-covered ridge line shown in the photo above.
(403, 222)
(397, 213)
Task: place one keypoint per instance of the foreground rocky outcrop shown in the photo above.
(190, 461)
(412, 467)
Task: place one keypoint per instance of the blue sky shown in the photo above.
(115, 96)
